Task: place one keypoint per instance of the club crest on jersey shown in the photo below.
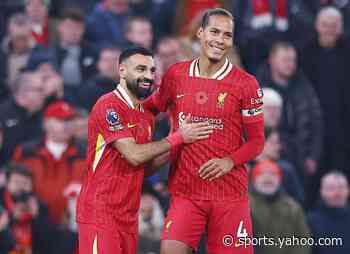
(113, 120)
(221, 99)
(201, 97)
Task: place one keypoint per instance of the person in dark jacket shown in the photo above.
(104, 81)
(326, 60)
(106, 23)
(74, 57)
(302, 116)
(331, 219)
(21, 115)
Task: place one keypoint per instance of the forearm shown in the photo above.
(254, 145)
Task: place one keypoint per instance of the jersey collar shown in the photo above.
(123, 95)
(219, 75)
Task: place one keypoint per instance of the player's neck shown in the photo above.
(207, 68)
(135, 101)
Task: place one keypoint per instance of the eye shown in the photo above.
(214, 31)
(228, 35)
(140, 69)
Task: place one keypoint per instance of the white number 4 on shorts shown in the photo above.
(241, 231)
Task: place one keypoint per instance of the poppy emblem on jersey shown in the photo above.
(113, 120)
(221, 99)
(201, 97)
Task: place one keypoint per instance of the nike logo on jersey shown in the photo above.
(131, 125)
(179, 96)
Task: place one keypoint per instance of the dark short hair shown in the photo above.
(136, 18)
(280, 45)
(128, 52)
(214, 12)
(73, 13)
(17, 169)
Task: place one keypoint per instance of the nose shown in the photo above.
(149, 75)
(220, 39)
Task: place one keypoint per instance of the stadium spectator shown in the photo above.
(260, 23)
(274, 213)
(301, 116)
(332, 217)
(107, 22)
(139, 32)
(344, 6)
(273, 150)
(28, 223)
(37, 12)
(150, 224)
(17, 45)
(161, 13)
(105, 79)
(169, 51)
(7, 242)
(273, 106)
(21, 114)
(55, 162)
(325, 61)
(74, 57)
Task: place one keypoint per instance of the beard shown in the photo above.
(138, 91)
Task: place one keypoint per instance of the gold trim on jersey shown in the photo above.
(99, 148)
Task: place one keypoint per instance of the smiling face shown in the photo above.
(216, 37)
(138, 71)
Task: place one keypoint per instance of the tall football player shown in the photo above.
(208, 181)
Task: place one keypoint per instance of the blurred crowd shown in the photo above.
(57, 57)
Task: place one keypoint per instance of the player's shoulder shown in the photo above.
(108, 100)
(179, 68)
(243, 78)
(243, 75)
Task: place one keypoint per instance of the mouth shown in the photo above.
(145, 84)
(217, 49)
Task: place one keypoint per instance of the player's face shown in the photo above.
(216, 37)
(139, 73)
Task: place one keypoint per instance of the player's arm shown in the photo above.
(253, 127)
(137, 154)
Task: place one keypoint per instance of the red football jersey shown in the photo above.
(111, 192)
(228, 100)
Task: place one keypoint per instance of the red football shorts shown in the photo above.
(97, 240)
(227, 224)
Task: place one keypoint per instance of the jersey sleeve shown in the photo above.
(251, 101)
(161, 98)
(111, 122)
(253, 123)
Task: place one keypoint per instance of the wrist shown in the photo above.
(175, 139)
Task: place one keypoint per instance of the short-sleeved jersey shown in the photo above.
(228, 100)
(111, 192)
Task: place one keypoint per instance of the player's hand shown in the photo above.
(192, 132)
(215, 168)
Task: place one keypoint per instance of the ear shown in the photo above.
(200, 32)
(122, 71)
